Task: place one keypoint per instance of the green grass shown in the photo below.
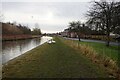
(91, 50)
(52, 61)
(102, 49)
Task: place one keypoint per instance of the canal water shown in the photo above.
(12, 49)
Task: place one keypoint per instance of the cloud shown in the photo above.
(50, 16)
(46, 0)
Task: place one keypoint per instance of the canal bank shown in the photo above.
(52, 61)
(12, 49)
(18, 37)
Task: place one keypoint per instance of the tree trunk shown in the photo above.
(79, 37)
(108, 39)
(108, 25)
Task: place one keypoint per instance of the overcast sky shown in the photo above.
(51, 16)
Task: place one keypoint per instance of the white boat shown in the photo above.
(51, 41)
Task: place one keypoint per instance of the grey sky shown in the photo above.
(51, 16)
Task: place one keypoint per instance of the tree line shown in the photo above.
(102, 19)
(13, 29)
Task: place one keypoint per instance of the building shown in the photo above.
(66, 33)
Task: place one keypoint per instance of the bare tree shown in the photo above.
(104, 15)
(36, 30)
(75, 26)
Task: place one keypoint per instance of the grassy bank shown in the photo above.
(98, 53)
(101, 48)
(52, 61)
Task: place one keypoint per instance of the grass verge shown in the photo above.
(93, 51)
(111, 51)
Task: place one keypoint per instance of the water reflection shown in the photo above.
(12, 49)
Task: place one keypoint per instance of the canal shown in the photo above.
(12, 49)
